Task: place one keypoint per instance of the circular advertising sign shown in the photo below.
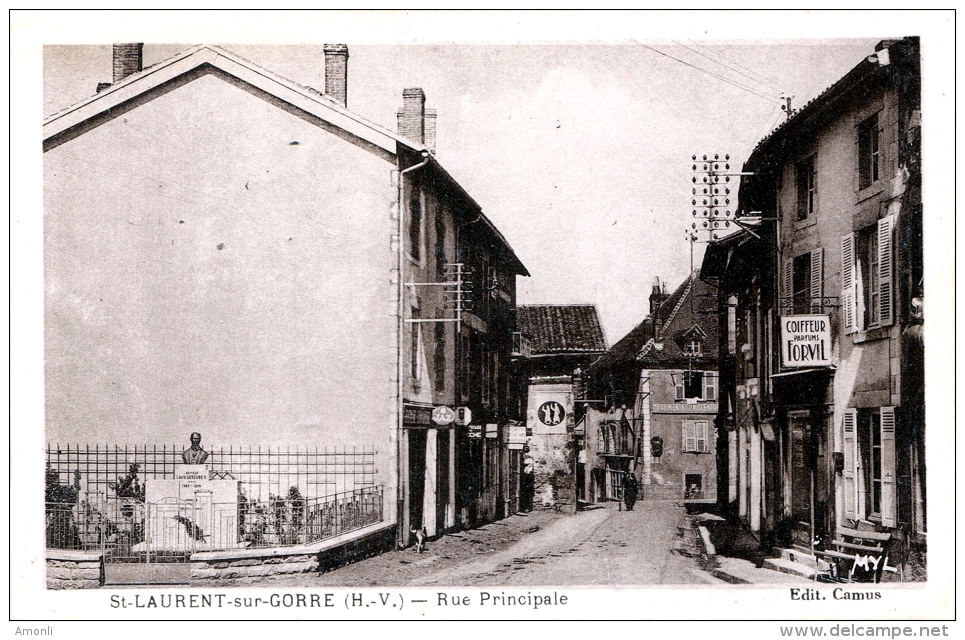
(551, 413)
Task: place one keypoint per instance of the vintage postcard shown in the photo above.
(483, 315)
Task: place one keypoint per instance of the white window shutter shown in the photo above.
(679, 387)
(888, 493)
(885, 273)
(817, 280)
(710, 385)
(850, 422)
(847, 284)
(701, 429)
(787, 280)
(689, 439)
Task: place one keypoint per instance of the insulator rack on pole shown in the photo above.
(711, 204)
(456, 293)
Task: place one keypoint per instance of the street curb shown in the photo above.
(726, 577)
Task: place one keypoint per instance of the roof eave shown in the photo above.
(290, 92)
(862, 72)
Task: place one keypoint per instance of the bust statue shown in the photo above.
(195, 455)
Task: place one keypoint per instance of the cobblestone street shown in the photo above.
(600, 546)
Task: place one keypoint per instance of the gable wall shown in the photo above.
(203, 273)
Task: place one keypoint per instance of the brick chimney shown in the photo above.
(336, 73)
(412, 115)
(128, 59)
(430, 130)
(658, 295)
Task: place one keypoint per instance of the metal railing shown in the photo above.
(126, 527)
(263, 471)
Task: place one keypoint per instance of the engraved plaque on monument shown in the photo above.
(192, 512)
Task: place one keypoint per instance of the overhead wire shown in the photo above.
(711, 73)
(763, 79)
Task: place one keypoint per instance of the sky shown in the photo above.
(579, 153)
(573, 130)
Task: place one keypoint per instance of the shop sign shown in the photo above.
(492, 430)
(443, 416)
(806, 341)
(551, 413)
(475, 431)
(416, 416)
(516, 434)
(463, 416)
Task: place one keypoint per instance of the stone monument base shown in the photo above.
(191, 513)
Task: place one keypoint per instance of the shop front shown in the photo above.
(428, 469)
(803, 413)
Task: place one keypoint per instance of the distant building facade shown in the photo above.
(659, 387)
(562, 341)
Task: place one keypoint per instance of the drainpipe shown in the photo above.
(401, 475)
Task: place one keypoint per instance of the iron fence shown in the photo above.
(263, 471)
(129, 529)
(99, 498)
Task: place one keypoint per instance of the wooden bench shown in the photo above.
(855, 546)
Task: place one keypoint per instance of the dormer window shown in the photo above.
(692, 347)
(691, 342)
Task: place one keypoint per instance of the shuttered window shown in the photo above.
(850, 420)
(695, 436)
(867, 277)
(816, 284)
(869, 474)
(888, 493)
(885, 273)
(848, 310)
(710, 385)
(802, 282)
(787, 288)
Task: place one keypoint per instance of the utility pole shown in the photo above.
(786, 107)
(710, 199)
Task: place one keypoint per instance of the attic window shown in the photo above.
(692, 346)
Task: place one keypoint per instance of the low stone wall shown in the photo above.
(245, 566)
(247, 570)
(74, 569)
(84, 570)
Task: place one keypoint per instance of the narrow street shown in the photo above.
(600, 546)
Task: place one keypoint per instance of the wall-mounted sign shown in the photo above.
(551, 413)
(806, 341)
(416, 416)
(475, 431)
(463, 416)
(516, 434)
(443, 416)
(492, 430)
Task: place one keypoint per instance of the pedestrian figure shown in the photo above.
(630, 490)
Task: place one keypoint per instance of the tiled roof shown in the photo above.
(561, 328)
(677, 319)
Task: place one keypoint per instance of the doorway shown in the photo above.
(809, 485)
(693, 486)
(417, 476)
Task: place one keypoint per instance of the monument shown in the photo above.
(192, 512)
(195, 455)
